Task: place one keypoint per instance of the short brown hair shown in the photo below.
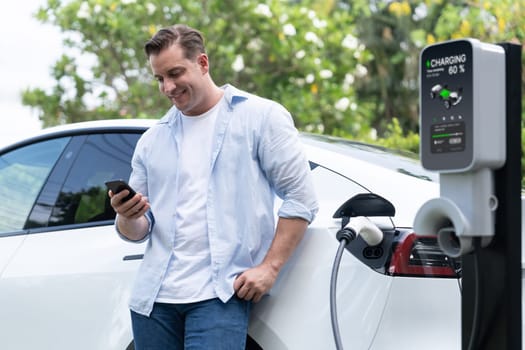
(189, 39)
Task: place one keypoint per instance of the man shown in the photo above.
(206, 175)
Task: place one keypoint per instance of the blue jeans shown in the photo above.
(209, 324)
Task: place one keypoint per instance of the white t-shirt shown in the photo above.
(188, 278)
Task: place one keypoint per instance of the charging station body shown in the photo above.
(462, 100)
(463, 137)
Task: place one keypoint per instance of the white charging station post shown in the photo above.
(470, 128)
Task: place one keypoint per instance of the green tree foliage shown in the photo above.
(306, 58)
(344, 67)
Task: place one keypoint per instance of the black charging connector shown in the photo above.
(347, 234)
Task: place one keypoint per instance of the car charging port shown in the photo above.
(373, 252)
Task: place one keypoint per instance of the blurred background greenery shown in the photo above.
(347, 68)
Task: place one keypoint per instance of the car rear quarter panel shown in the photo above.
(296, 314)
(407, 193)
(421, 313)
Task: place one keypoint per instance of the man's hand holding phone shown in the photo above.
(130, 207)
(125, 201)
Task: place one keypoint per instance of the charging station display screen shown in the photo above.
(447, 137)
(446, 105)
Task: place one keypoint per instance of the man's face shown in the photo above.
(182, 80)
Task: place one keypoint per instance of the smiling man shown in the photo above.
(206, 177)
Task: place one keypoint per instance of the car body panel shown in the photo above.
(8, 248)
(69, 281)
(421, 313)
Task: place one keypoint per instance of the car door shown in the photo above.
(23, 173)
(68, 284)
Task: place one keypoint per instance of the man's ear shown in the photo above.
(202, 61)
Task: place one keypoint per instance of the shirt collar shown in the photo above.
(232, 95)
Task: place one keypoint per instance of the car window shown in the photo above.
(83, 198)
(23, 172)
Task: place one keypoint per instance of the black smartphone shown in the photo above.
(119, 185)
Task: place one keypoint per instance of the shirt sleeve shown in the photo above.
(286, 166)
(151, 222)
(138, 181)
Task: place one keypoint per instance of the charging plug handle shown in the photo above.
(347, 234)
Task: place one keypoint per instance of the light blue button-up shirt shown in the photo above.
(256, 154)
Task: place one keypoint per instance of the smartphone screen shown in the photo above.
(119, 185)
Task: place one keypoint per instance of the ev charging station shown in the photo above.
(470, 132)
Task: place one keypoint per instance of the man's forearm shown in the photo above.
(133, 229)
(252, 284)
(288, 234)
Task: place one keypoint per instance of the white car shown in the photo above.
(65, 275)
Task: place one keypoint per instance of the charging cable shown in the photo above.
(344, 236)
(372, 235)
